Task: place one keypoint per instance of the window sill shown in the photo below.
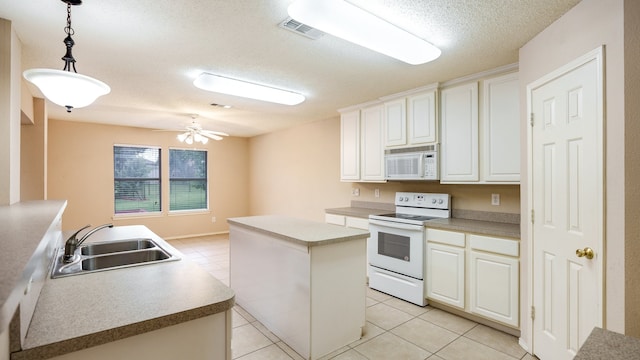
(189, 212)
(136, 215)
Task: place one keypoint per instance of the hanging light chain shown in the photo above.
(69, 61)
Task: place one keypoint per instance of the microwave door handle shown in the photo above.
(395, 225)
(421, 165)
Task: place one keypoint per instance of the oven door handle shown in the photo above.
(394, 225)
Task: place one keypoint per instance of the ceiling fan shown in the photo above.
(195, 132)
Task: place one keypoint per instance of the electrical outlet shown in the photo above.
(495, 199)
(213, 219)
(355, 192)
(376, 193)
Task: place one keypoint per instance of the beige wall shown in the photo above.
(631, 168)
(80, 170)
(588, 25)
(33, 154)
(297, 172)
(10, 88)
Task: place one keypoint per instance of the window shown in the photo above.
(187, 180)
(136, 179)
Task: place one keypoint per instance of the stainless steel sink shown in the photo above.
(116, 246)
(111, 255)
(124, 259)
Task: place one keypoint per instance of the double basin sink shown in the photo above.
(110, 255)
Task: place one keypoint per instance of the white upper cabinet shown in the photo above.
(481, 143)
(411, 120)
(362, 144)
(372, 145)
(501, 129)
(350, 146)
(422, 118)
(459, 148)
(395, 123)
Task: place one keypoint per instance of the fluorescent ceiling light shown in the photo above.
(349, 22)
(225, 85)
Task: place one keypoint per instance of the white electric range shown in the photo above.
(396, 248)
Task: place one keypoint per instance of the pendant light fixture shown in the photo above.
(349, 22)
(66, 87)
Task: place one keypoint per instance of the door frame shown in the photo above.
(597, 55)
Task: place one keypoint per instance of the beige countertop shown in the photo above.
(22, 227)
(605, 344)
(81, 311)
(477, 222)
(482, 227)
(299, 231)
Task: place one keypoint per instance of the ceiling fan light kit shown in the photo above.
(234, 87)
(66, 87)
(349, 22)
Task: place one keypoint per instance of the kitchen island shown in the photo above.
(166, 310)
(304, 280)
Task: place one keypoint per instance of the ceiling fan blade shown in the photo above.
(213, 132)
(211, 136)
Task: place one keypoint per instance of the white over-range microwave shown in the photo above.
(417, 163)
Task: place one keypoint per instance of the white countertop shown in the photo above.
(81, 311)
(300, 231)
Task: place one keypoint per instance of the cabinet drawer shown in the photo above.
(357, 223)
(446, 237)
(334, 219)
(495, 245)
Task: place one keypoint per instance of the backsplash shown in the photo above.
(463, 197)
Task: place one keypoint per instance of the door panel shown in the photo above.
(567, 199)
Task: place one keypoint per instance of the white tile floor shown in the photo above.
(395, 329)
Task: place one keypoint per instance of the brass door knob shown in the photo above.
(586, 252)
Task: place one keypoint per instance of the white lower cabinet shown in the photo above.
(475, 273)
(493, 287)
(445, 274)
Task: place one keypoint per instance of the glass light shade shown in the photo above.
(67, 88)
(182, 137)
(189, 139)
(225, 85)
(349, 22)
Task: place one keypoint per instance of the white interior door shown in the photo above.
(567, 196)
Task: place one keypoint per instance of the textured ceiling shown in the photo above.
(149, 52)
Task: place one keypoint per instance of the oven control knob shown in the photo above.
(440, 201)
(433, 201)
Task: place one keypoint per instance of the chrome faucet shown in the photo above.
(73, 243)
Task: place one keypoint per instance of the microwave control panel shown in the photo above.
(431, 166)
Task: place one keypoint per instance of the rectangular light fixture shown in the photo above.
(349, 22)
(229, 86)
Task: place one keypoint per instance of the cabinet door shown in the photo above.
(372, 148)
(335, 219)
(421, 118)
(459, 155)
(445, 274)
(350, 146)
(501, 130)
(494, 287)
(395, 123)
